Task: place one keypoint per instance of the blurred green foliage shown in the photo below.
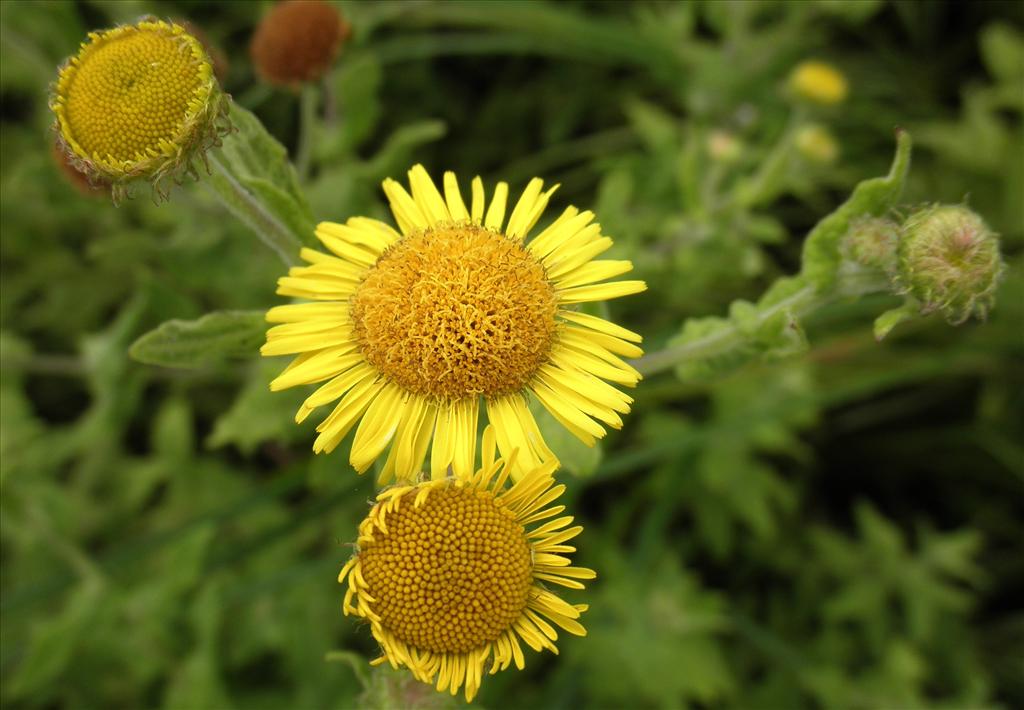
(836, 526)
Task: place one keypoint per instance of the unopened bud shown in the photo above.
(872, 242)
(297, 42)
(724, 147)
(949, 260)
(816, 144)
(818, 82)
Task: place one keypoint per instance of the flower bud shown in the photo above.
(818, 82)
(816, 144)
(297, 42)
(949, 260)
(724, 147)
(138, 102)
(872, 242)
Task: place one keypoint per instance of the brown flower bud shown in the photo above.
(297, 41)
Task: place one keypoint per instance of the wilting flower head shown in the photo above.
(137, 101)
(449, 575)
(949, 260)
(818, 82)
(77, 179)
(410, 329)
(297, 41)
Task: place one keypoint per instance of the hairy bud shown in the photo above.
(872, 242)
(949, 260)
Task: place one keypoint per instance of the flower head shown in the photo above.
(818, 82)
(448, 574)
(411, 328)
(949, 260)
(297, 41)
(137, 101)
(816, 144)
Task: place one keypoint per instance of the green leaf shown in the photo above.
(892, 318)
(356, 86)
(394, 156)
(576, 457)
(213, 339)
(1002, 47)
(252, 176)
(820, 260)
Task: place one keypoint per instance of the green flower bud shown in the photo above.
(816, 144)
(872, 242)
(949, 260)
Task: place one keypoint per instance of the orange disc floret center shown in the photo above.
(451, 575)
(129, 92)
(454, 311)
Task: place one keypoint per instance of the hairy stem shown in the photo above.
(853, 282)
(249, 209)
(308, 101)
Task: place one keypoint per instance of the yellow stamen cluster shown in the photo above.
(451, 574)
(456, 310)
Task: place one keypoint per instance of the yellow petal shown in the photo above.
(425, 193)
(496, 211)
(452, 196)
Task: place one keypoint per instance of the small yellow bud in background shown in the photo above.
(816, 144)
(818, 82)
(724, 146)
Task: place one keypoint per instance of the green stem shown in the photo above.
(852, 282)
(309, 99)
(249, 209)
(722, 341)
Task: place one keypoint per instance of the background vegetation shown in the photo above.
(839, 528)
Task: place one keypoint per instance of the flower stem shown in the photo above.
(853, 282)
(308, 102)
(249, 209)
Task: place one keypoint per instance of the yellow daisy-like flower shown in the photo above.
(411, 329)
(138, 101)
(818, 82)
(448, 574)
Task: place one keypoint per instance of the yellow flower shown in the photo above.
(410, 329)
(137, 101)
(448, 575)
(818, 82)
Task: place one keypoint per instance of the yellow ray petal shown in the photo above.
(377, 427)
(407, 213)
(425, 193)
(523, 208)
(601, 292)
(453, 198)
(593, 272)
(477, 209)
(496, 211)
(565, 227)
(600, 325)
